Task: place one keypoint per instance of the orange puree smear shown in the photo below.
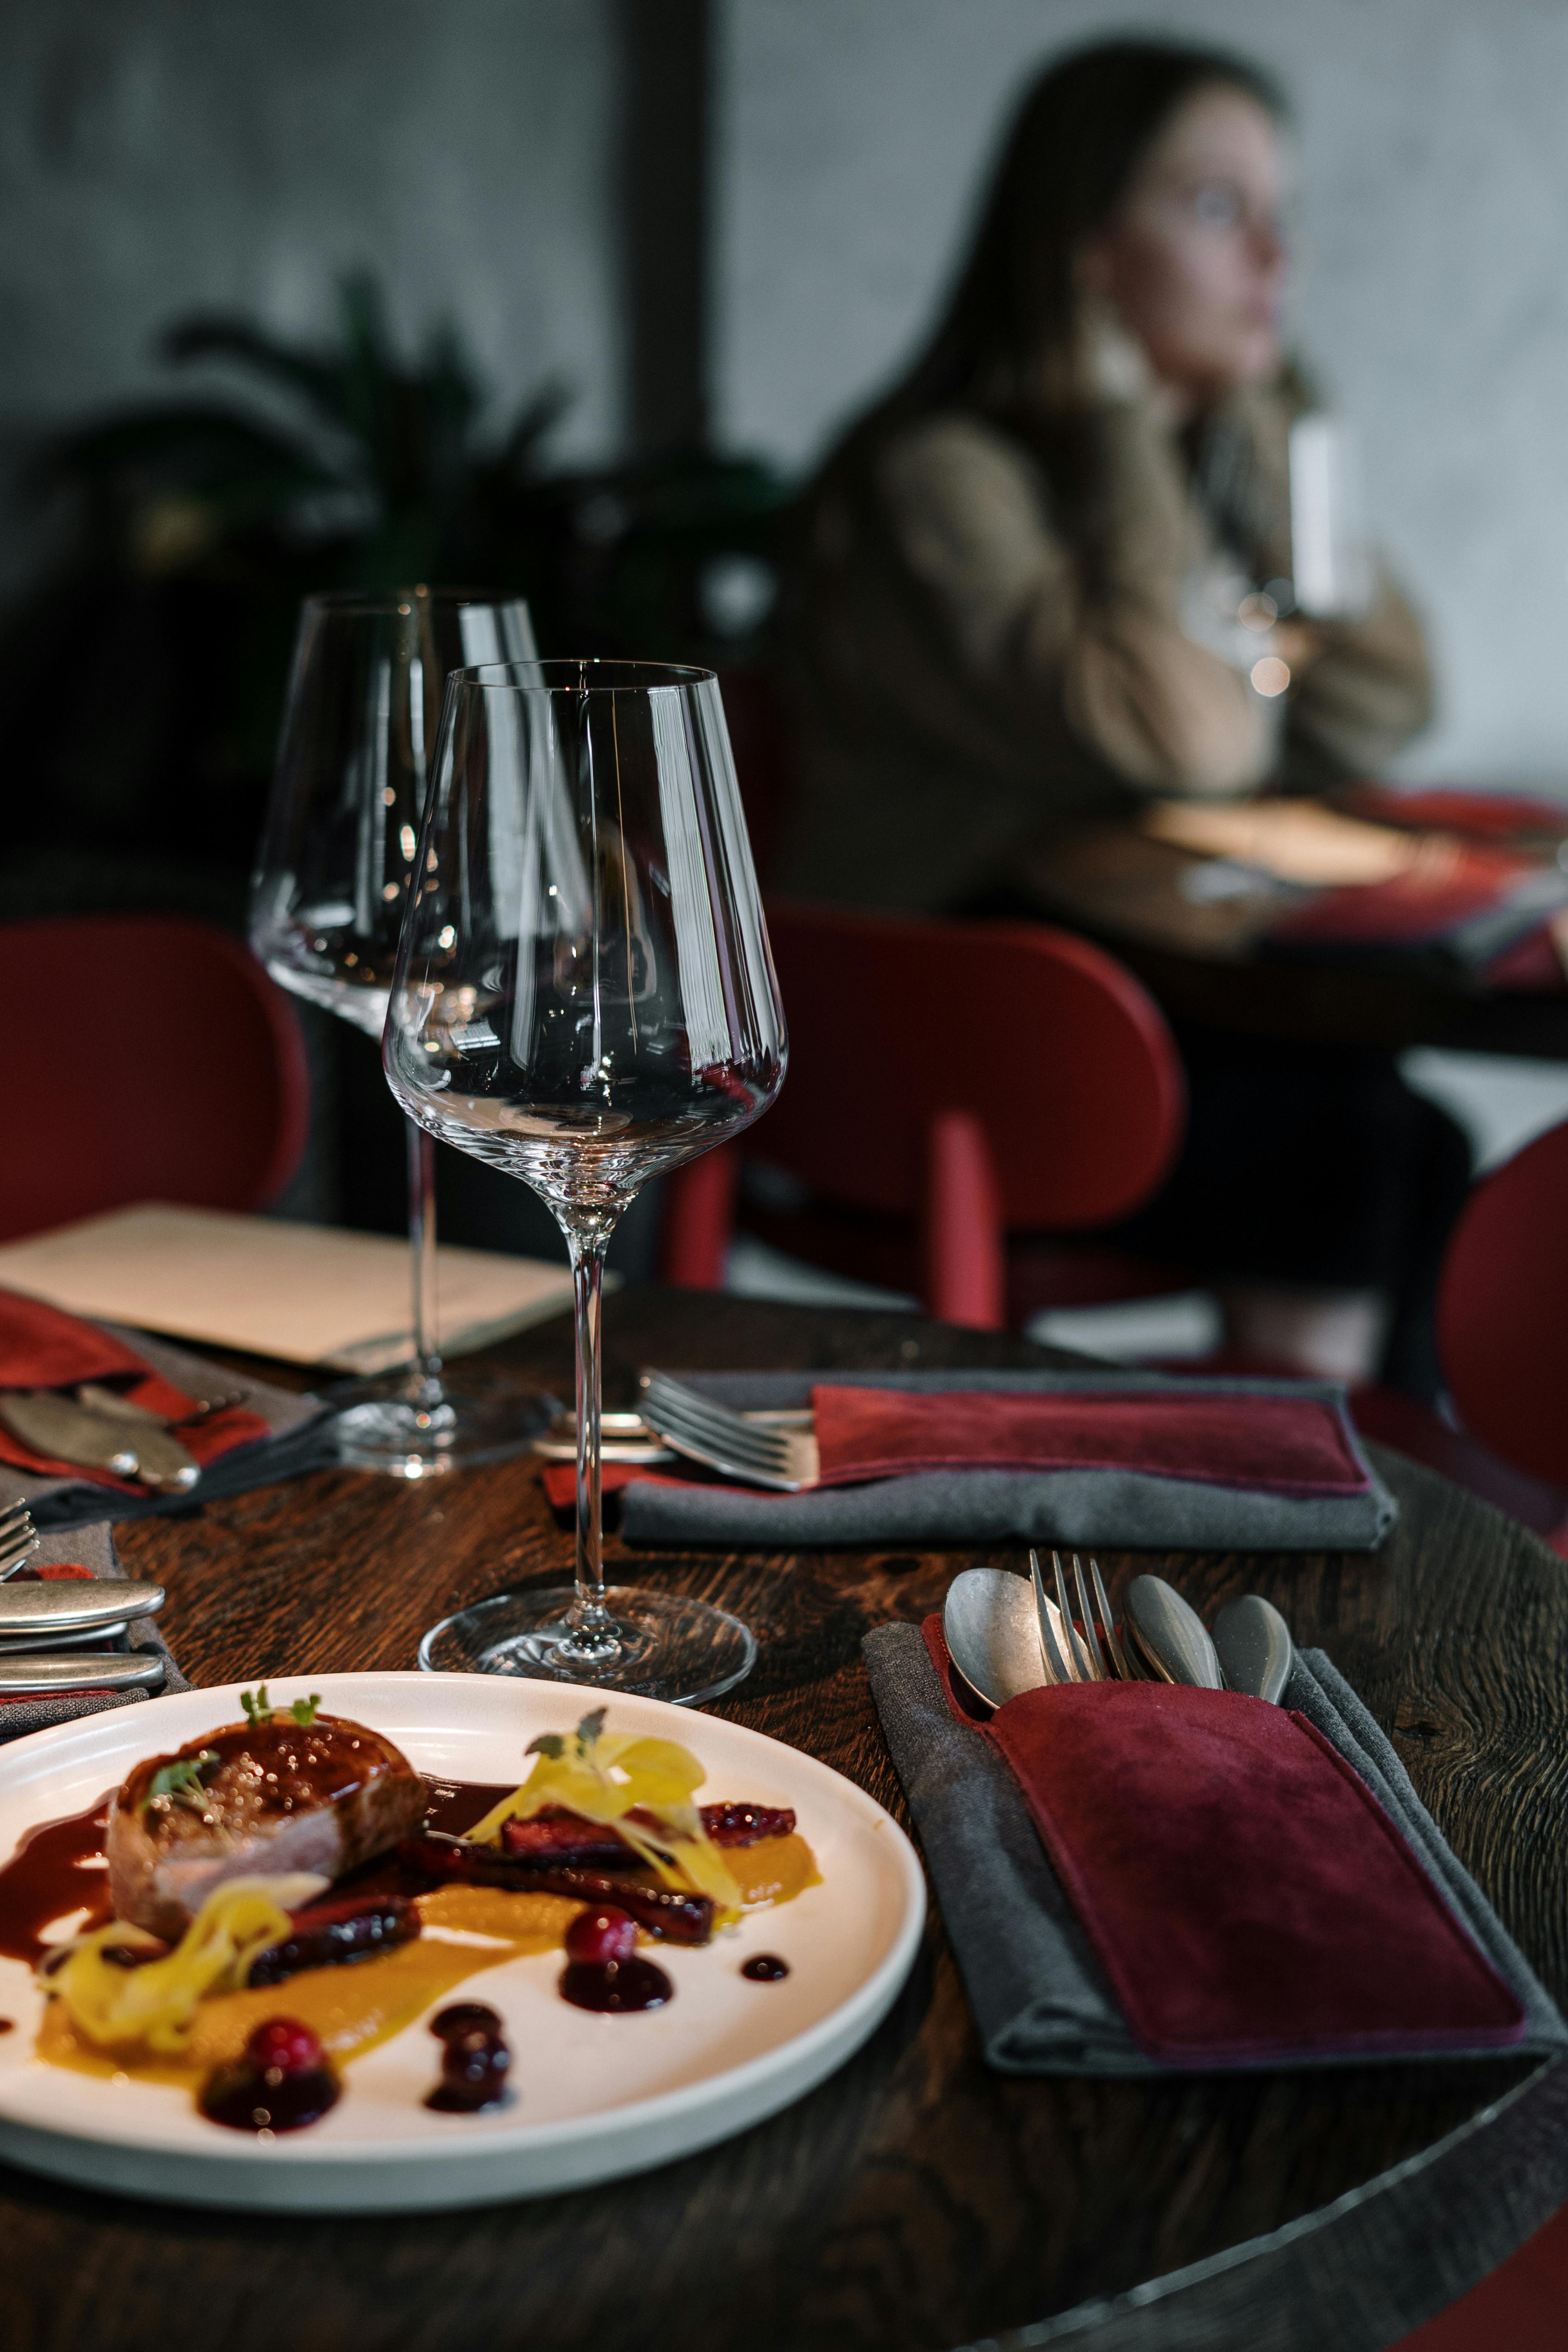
(351, 2009)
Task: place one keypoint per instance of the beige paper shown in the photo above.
(309, 1294)
(1300, 840)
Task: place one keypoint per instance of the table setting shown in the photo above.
(1172, 1865)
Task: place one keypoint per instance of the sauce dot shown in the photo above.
(764, 1968)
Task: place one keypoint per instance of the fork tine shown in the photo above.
(1077, 1656)
(1118, 1658)
(696, 1412)
(1053, 1652)
(767, 1448)
(1086, 1617)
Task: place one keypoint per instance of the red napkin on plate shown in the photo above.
(1283, 1446)
(1246, 1894)
(42, 1348)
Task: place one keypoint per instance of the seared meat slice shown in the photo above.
(269, 1797)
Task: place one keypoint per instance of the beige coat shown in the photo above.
(993, 633)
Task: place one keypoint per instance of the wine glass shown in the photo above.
(584, 997)
(337, 850)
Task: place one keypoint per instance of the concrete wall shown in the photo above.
(156, 155)
(1434, 294)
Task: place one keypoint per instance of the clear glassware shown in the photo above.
(584, 997)
(326, 905)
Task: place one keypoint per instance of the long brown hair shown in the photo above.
(1075, 143)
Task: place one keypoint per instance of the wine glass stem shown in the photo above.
(425, 1373)
(589, 1615)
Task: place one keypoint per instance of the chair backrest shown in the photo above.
(1502, 1309)
(1054, 1049)
(145, 1058)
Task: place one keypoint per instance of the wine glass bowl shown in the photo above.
(326, 902)
(584, 997)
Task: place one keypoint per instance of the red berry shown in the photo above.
(283, 2045)
(601, 1933)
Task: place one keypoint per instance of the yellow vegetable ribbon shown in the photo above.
(155, 2005)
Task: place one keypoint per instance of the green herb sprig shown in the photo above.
(258, 1710)
(181, 1781)
(550, 1744)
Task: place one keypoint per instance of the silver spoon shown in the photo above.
(1255, 1647)
(989, 1625)
(1170, 1634)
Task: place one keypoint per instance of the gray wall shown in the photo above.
(1434, 295)
(160, 154)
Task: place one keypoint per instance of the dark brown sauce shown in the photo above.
(59, 1868)
(247, 2101)
(8, 2025)
(615, 1988)
(764, 1968)
(475, 2059)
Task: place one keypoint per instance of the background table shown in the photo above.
(915, 2199)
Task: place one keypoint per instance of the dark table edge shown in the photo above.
(1362, 2271)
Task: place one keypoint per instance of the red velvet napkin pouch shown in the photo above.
(1246, 1895)
(43, 1348)
(1277, 1444)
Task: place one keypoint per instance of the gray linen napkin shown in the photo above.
(1038, 1993)
(91, 1548)
(302, 1440)
(1126, 1510)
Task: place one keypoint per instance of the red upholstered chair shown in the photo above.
(1502, 1310)
(146, 1058)
(950, 1085)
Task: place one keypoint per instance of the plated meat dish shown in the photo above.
(287, 1891)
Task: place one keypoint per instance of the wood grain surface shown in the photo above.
(915, 2199)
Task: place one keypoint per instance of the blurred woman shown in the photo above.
(1047, 577)
(1021, 573)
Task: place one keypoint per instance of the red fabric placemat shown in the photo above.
(1283, 1446)
(43, 1348)
(1246, 1894)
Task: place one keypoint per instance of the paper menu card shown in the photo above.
(309, 1294)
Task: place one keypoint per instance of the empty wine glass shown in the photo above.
(584, 997)
(327, 899)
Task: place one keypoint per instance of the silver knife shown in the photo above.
(41, 1676)
(69, 1432)
(64, 1605)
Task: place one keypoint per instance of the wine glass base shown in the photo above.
(665, 1645)
(383, 1428)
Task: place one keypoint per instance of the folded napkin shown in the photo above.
(89, 1552)
(268, 1434)
(1129, 1460)
(1139, 1879)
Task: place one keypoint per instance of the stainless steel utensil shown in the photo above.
(624, 1437)
(84, 1637)
(44, 1676)
(74, 1602)
(1254, 1645)
(777, 1450)
(1170, 1634)
(65, 1431)
(117, 1406)
(1055, 1649)
(989, 1625)
(18, 1539)
(1120, 1663)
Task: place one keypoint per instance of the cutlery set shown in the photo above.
(47, 1626)
(1006, 1637)
(96, 1428)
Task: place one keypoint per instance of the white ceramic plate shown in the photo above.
(597, 2097)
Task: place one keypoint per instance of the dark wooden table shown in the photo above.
(915, 2199)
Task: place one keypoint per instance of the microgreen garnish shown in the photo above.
(182, 1781)
(550, 1744)
(259, 1709)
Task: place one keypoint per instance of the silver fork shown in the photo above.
(777, 1450)
(1080, 1650)
(18, 1538)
